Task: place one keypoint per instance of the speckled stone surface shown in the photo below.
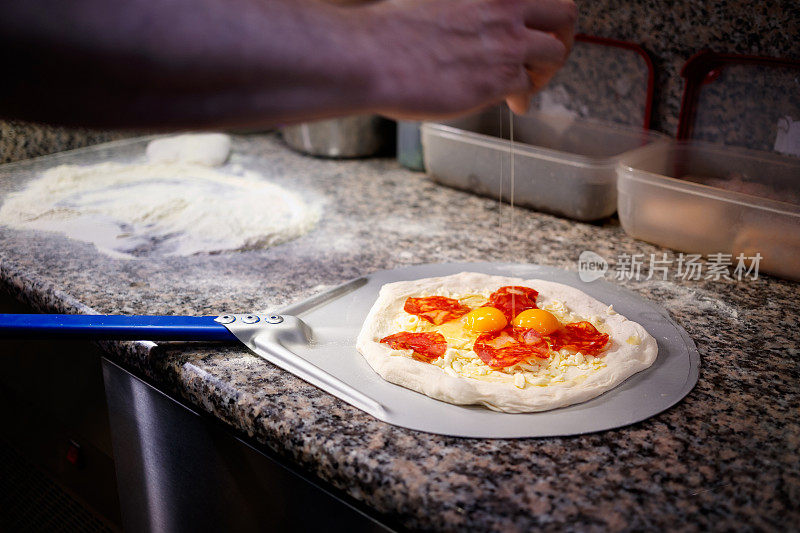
(599, 82)
(671, 32)
(725, 458)
(23, 140)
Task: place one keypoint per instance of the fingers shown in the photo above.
(519, 98)
(498, 49)
(545, 55)
(519, 103)
(540, 77)
(553, 16)
(566, 36)
(550, 15)
(544, 48)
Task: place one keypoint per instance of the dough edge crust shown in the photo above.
(622, 359)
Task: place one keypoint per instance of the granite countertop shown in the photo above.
(723, 458)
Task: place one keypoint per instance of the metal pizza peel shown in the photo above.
(315, 340)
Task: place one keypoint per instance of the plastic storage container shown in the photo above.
(562, 165)
(705, 198)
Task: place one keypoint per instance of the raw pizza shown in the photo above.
(509, 344)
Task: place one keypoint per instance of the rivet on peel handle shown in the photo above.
(274, 319)
(225, 319)
(250, 319)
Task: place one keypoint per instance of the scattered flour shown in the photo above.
(159, 209)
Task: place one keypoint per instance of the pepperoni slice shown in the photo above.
(509, 346)
(513, 300)
(436, 309)
(580, 337)
(428, 345)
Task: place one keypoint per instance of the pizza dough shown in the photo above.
(460, 377)
(208, 149)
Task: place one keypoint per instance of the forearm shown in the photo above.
(215, 63)
(183, 63)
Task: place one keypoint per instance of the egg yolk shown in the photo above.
(485, 319)
(541, 321)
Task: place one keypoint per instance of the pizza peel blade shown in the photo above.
(332, 320)
(271, 342)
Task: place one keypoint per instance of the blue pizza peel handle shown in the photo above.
(114, 327)
(194, 328)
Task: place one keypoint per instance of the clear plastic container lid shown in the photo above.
(605, 80)
(746, 101)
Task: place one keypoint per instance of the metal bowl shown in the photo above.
(352, 136)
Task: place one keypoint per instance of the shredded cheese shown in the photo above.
(460, 360)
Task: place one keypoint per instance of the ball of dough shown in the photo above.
(208, 149)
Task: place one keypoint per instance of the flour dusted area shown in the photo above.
(153, 209)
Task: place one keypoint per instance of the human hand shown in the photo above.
(435, 58)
